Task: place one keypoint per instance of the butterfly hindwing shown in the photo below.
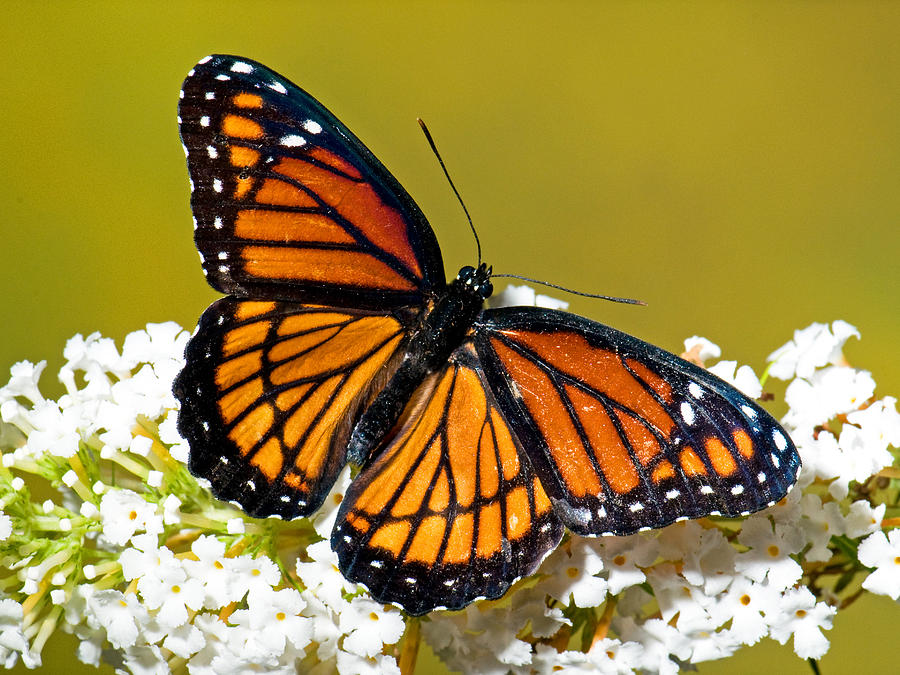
(288, 203)
(624, 435)
(450, 510)
(270, 393)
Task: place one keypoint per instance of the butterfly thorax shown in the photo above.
(441, 329)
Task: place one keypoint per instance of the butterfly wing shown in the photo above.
(289, 204)
(270, 392)
(450, 510)
(623, 435)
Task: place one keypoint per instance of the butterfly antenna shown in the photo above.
(627, 301)
(450, 180)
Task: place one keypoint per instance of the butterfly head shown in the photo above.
(476, 280)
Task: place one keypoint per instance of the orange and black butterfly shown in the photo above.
(481, 433)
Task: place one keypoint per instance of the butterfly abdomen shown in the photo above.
(441, 329)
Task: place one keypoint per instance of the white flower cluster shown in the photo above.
(138, 560)
(152, 573)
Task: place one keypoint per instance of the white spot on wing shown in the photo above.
(241, 67)
(204, 121)
(780, 440)
(277, 86)
(695, 390)
(312, 127)
(761, 477)
(210, 95)
(205, 59)
(637, 506)
(377, 563)
(775, 461)
(737, 490)
(217, 185)
(217, 223)
(212, 152)
(223, 78)
(706, 490)
(687, 412)
(748, 411)
(293, 141)
(672, 494)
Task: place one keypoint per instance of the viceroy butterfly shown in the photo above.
(481, 433)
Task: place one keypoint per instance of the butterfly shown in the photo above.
(480, 434)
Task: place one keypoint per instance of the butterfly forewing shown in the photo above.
(288, 203)
(450, 510)
(624, 435)
(269, 395)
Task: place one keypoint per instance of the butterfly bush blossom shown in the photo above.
(130, 553)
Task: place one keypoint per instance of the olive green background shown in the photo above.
(735, 165)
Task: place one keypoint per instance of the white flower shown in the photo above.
(158, 343)
(708, 558)
(168, 434)
(219, 654)
(124, 513)
(169, 590)
(819, 524)
(572, 574)
(705, 349)
(826, 393)
(249, 574)
(882, 551)
(184, 641)
(676, 597)
(23, 382)
(866, 437)
(322, 576)
(811, 348)
(6, 527)
(624, 556)
(214, 570)
(120, 616)
(743, 379)
(659, 642)
(863, 519)
(770, 551)
(745, 603)
(272, 618)
(56, 431)
(800, 616)
(529, 606)
(368, 627)
(12, 638)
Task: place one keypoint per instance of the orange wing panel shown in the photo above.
(453, 477)
(272, 392)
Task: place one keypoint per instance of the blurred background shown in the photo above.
(734, 165)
